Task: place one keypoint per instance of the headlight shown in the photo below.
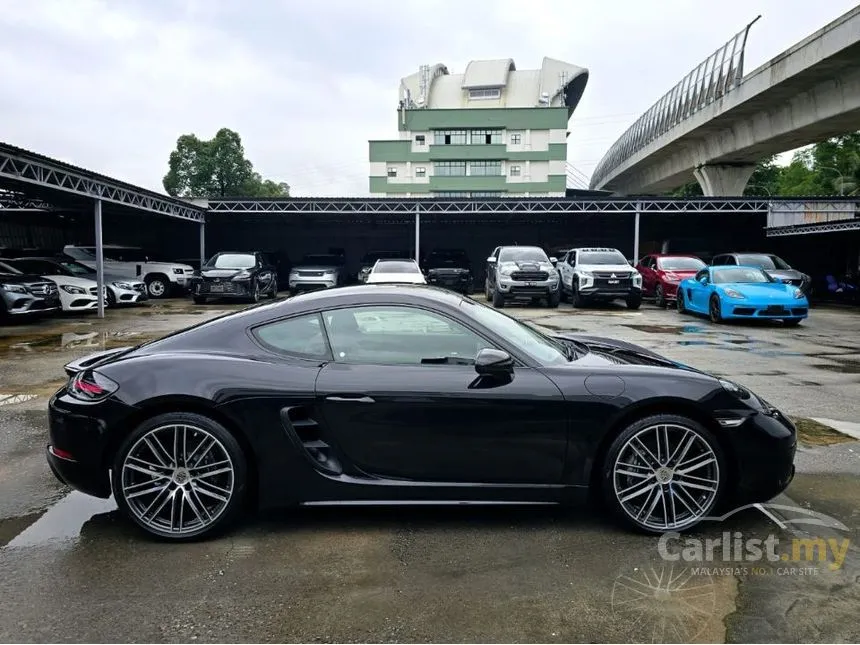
(553, 274)
(733, 293)
(506, 271)
(734, 388)
(798, 293)
(178, 271)
(329, 272)
(73, 290)
(123, 285)
(586, 274)
(637, 280)
(242, 275)
(13, 288)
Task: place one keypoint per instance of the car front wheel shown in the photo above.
(180, 476)
(663, 473)
(157, 286)
(659, 297)
(715, 309)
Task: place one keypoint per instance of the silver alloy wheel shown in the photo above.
(177, 479)
(666, 477)
(156, 288)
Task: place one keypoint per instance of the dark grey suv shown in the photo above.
(22, 294)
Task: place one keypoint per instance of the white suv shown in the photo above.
(161, 278)
(589, 274)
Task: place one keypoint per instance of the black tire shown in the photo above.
(487, 293)
(679, 302)
(791, 322)
(199, 300)
(714, 310)
(576, 300)
(553, 300)
(634, 302)
(273, 293)
(231, 511)
(607, 474)
(659, 296)
(562, 294)
(498, 300)
(255, 292)
(157, 285)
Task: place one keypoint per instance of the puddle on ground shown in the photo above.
(16, 345)
(814, 433)
(60, 523)
(657, 329)
(695, 342)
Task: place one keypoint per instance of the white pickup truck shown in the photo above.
(161, 278)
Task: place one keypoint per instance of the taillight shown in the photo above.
(91, 386)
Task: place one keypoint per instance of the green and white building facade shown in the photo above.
(493, 131)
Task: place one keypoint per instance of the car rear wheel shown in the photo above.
(715, 309)
(659, 297)
(157, 286)
(180, 476)
(487, 293)
(663, 473)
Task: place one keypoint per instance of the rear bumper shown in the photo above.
(79, 476)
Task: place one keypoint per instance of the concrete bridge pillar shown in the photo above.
(724, 180)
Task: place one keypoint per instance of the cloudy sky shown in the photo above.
(110, 85)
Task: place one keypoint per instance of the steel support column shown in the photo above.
(202, 243)
(417, 234)
(636, 234)
(100, 263)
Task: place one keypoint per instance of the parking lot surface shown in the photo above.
(71, 569)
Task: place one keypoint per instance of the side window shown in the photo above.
(571, 260)
(702, 276)
(400, 335)
(301, 336)
(730, 259)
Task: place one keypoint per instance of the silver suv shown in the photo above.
(322, 271)
(521, 273)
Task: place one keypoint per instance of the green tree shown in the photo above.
(216, 168)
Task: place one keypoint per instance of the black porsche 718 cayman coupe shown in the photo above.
(405, 393)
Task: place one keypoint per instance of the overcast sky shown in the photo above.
(110, 85)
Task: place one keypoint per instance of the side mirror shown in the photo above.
(631, 263)
(553, 261)
(491, 259)
(494, 362)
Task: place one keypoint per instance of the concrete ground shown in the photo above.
(71, 569)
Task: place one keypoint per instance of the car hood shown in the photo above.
(221, 273)
(604, 351)
(607, 268)
(25, 279)
(83, 283)
(764, 291)
(315, 267)
(527, 266)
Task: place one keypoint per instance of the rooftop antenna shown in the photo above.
(423, 85)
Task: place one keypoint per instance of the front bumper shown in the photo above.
(129, 296)
(738, 308)
(222, 289)
(24, 304)
(764, 446)
(455, 281)
(509, 288)
(312, 283)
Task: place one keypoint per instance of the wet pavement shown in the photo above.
(71, 569)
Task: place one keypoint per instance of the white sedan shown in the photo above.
(76, 294)
(396, 271)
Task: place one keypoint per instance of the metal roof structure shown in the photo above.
(64, 185)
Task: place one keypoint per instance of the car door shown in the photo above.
(567, 271)
(699, 292)
(491, 267)
(265, 273)
(646, 269)
(402, 400)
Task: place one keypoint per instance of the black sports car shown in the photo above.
(405, 393)
(235, 274)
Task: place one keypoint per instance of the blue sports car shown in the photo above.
(724, 292)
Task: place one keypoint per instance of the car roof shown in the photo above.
(721, 267)
(595, 248)
(674, 255)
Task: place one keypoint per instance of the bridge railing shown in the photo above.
(718, 74)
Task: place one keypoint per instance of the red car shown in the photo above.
(661, 275)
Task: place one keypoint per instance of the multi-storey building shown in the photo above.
(491, 131)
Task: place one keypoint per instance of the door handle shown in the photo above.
(350, 399)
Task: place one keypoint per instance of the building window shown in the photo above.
(451, 193)
(485, 93)
(488, 193)
(420, 171)
(516, 138)
(449, 137)
(485, 137)
(449, 168)
(485, 168)
(419, 140)
(392, 171)
(515, 171)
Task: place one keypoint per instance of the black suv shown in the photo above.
(449, 268)
(773, 265)
(245, 275)
(23, 295)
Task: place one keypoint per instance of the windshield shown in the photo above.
(76, 268)
(447, 258)
(763, 261)
(601, 257)
(323, 259)
(396, 266)
(6, 268)
(680, 264)
(529, 340)
(739, 274)
(232, 261)
(523, 254)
